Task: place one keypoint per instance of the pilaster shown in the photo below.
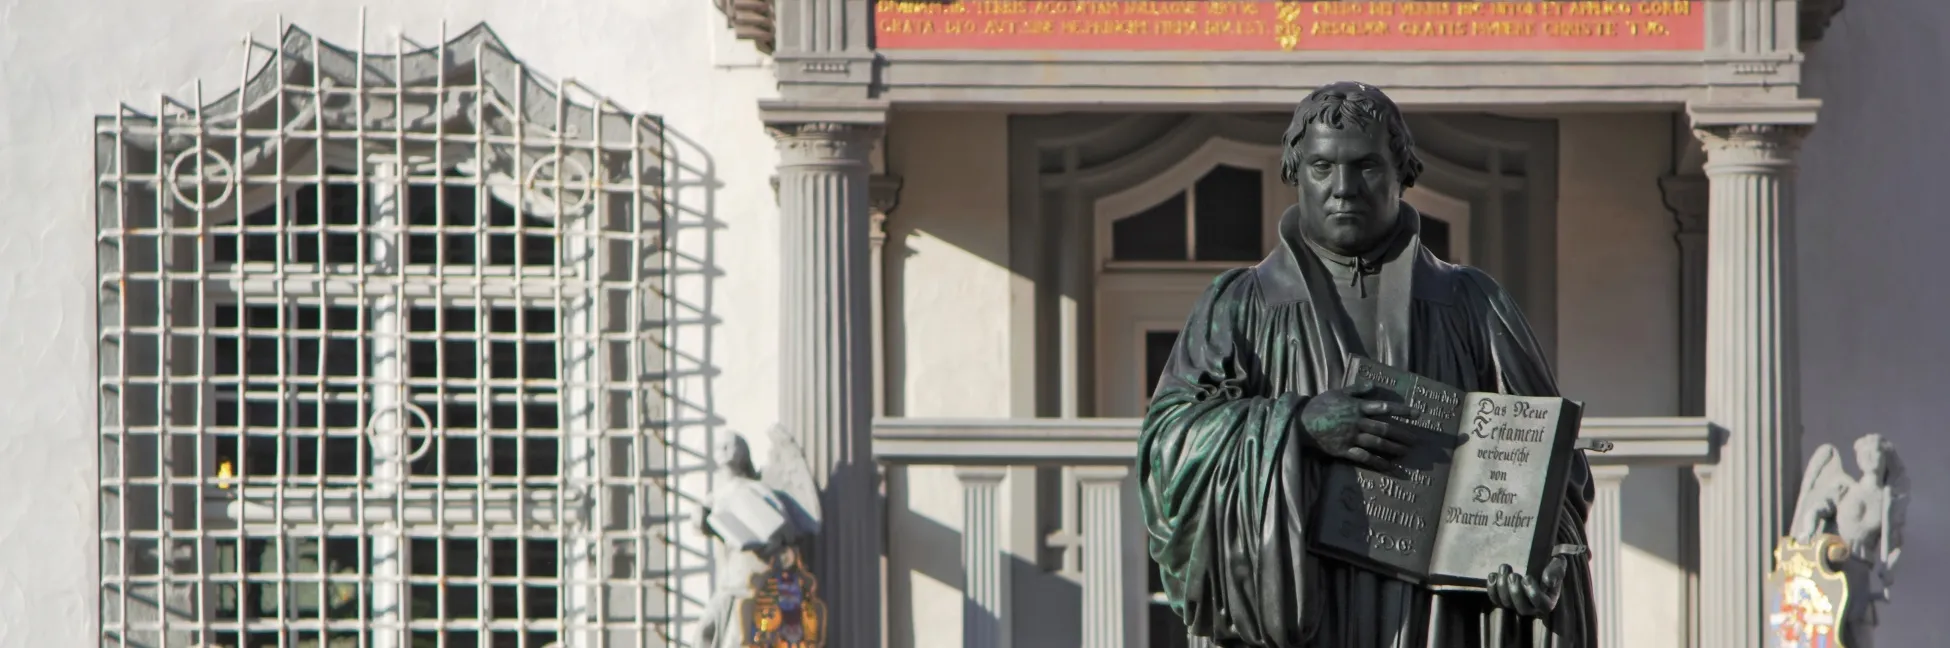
(1606, 531)
(1104, 596)
(1751, 372)
(883, 194)
(985, 566)
(1686, 197)
(826, 373)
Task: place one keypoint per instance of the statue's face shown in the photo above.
(1868, 454)
(1349, 188)
(732, 453)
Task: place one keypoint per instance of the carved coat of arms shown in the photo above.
(1806, 595)
(784, 610)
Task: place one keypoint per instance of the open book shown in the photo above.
(1480, 488)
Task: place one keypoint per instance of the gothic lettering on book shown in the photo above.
(1480, 488)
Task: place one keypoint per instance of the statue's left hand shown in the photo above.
(1529, 597)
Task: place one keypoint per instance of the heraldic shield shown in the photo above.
(784, 610)
(1806, 594)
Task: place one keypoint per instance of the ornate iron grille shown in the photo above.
(382, 345)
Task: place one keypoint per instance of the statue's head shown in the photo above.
(1869, 453)
(734, 455)
(1351, 155)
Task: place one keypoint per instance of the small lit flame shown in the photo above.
(223, 475)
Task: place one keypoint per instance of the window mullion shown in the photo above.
(1191, 222)
(389, 423)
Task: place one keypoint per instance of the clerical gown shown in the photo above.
(1228, 486)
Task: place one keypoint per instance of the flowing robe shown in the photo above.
(1228, 487)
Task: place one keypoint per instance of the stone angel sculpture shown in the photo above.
(757, 521)
(1867, 513)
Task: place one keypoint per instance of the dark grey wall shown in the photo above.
(1875, 274)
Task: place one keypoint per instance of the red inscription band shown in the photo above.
(1267, 25)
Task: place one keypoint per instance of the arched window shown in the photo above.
(1217, 206)
(379, 342)
(1219, 218)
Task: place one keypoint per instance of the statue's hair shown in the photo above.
(1348, 103)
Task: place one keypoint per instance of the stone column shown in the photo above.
(1607, 542)
(985, 568)
(1751, 380)
(1104, 609)
(825, 359)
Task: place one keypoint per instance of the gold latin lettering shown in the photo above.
(1578, 29)
(1291, 22)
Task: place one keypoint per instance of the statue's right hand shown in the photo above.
(1345, 424)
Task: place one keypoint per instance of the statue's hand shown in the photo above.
(1345, 425)
(1529, 597)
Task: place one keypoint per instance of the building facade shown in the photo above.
(415, 324)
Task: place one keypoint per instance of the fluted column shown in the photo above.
(985, 569)
(1751, 382)
(1607, 530)
(1103, 555)
(825, 359)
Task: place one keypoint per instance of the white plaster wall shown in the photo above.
(62, 64)
(1618, 331)
(1874, 299)
(948, 324)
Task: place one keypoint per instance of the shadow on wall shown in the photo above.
(1875, 356)
(1044, 606)
(691, 227)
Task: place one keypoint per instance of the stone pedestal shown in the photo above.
(826, 359)
(1751, 373)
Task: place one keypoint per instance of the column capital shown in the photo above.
(988, 475)
(824, 143)
(1752, 138)
(884, 193)
(1612, 473)
(1087, 474)
(1750, 148)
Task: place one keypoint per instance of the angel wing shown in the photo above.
(1895, 487)
(1821, 485)
(788, 473)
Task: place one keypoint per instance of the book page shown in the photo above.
(1500, 483)
(1388, 522)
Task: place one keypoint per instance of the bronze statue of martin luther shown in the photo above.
(1248, 412)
